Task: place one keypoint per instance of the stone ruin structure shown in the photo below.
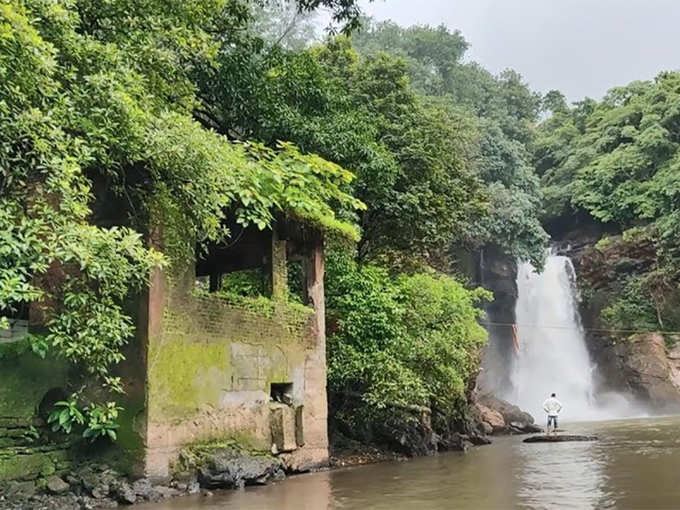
(204, 367)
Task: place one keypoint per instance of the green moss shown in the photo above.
(183, 375)
(25, 381)
(28, 464)
(289, 312)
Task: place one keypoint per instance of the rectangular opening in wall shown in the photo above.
(247, 283)
(282, 392)
(296, 282)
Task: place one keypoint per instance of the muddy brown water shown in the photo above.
(634, 465)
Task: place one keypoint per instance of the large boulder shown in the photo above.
(492, 410)
(55, 485)
(494, 419)
(226, 468)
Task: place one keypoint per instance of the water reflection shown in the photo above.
(568, 475)
(633, 466)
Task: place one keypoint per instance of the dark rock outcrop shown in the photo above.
(503, 417)
(226, 468)
(497, 272)
(558, 439)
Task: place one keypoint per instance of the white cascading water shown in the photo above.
(552, 354)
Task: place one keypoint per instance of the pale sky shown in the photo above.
(581, 47)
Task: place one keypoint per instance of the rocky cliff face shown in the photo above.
(644, 365)
(498, 273)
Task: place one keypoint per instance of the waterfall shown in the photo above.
(552, 356)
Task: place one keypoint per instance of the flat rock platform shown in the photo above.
(560, 438)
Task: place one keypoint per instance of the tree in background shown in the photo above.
(96, 115)
(616, 162)
(410, 153)
(504, 112)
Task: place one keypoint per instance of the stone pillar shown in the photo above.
(279, 268)
(315, 410)
(156, 455)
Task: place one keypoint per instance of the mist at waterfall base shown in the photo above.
(552, 356)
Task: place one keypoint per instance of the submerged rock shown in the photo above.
(558, 438)
(225, 468)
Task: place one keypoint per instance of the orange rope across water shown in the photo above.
(515, 339)
(514, 326)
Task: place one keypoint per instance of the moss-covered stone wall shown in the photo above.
(211, 367)
(27, 452)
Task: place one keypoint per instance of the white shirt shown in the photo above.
(552, 406)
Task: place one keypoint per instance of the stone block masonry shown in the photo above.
(211, 363)
(26, 382)
(204, 368)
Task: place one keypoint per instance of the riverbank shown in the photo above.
(211, 467)
(98, 486)
(632, 466)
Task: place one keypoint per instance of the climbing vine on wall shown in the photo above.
(93, 111)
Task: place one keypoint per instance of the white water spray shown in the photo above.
(552, 357)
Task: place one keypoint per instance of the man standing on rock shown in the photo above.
(552, 406)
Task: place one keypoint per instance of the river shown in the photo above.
(635, 465)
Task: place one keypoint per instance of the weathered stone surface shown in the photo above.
(17, 490)
(651, 372)
(283, 427)
(166, 492)
(510, 412)
(56, 485)
(558, 438)
(487, 428)
(142, 488)
(492, 418)
(227, 468)
(524, 428)
(501, 417)
(214, 361)
(123, 493)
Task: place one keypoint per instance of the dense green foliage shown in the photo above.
(95, 111)
(130, 132)
(410, 154)
(413, 340)
(501, 111)
(618, 161)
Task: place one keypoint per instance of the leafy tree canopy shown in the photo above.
(410, 153)
(414, 340)
(618, 161)
(97, 96)
(503, 112)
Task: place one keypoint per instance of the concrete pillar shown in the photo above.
(314, 275)
(279, 268)
(155, 456)
(315, 411)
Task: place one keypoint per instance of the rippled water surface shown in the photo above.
(636, 464)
